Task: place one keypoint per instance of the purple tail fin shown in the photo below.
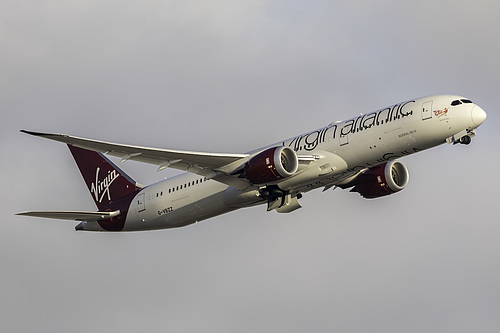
(105, 181)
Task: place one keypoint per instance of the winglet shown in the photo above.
(43, 135)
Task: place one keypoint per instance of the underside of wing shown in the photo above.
(72, 215)
(211, 165)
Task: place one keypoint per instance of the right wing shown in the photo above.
(220, 167)
(217, 166)
(72, 215)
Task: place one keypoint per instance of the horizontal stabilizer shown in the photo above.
(72, 215)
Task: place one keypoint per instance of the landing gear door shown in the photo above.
(427, 110)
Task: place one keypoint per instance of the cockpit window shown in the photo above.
(461, 101)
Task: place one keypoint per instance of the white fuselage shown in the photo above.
(345, 149)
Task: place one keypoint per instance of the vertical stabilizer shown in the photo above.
(106, 182)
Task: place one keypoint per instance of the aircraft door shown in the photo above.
(343, 140)
(141, 202)
(427, 110)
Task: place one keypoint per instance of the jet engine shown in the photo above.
(381, 180)
(271, 165)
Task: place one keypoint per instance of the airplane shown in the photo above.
(359, 154)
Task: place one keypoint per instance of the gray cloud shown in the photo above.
(226, 76)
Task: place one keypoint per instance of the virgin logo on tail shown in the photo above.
(101, 187)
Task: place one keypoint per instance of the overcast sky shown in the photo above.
(231, 76)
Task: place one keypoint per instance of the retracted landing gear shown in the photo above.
(280, 200)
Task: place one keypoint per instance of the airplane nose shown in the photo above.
(478, 115)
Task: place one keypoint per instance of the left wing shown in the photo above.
(217, 166)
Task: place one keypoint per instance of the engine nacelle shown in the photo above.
(271, 165)
(381, 180)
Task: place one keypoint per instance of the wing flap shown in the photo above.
(72, 215)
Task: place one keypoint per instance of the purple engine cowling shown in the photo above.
(382, 180)
(271, 165)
